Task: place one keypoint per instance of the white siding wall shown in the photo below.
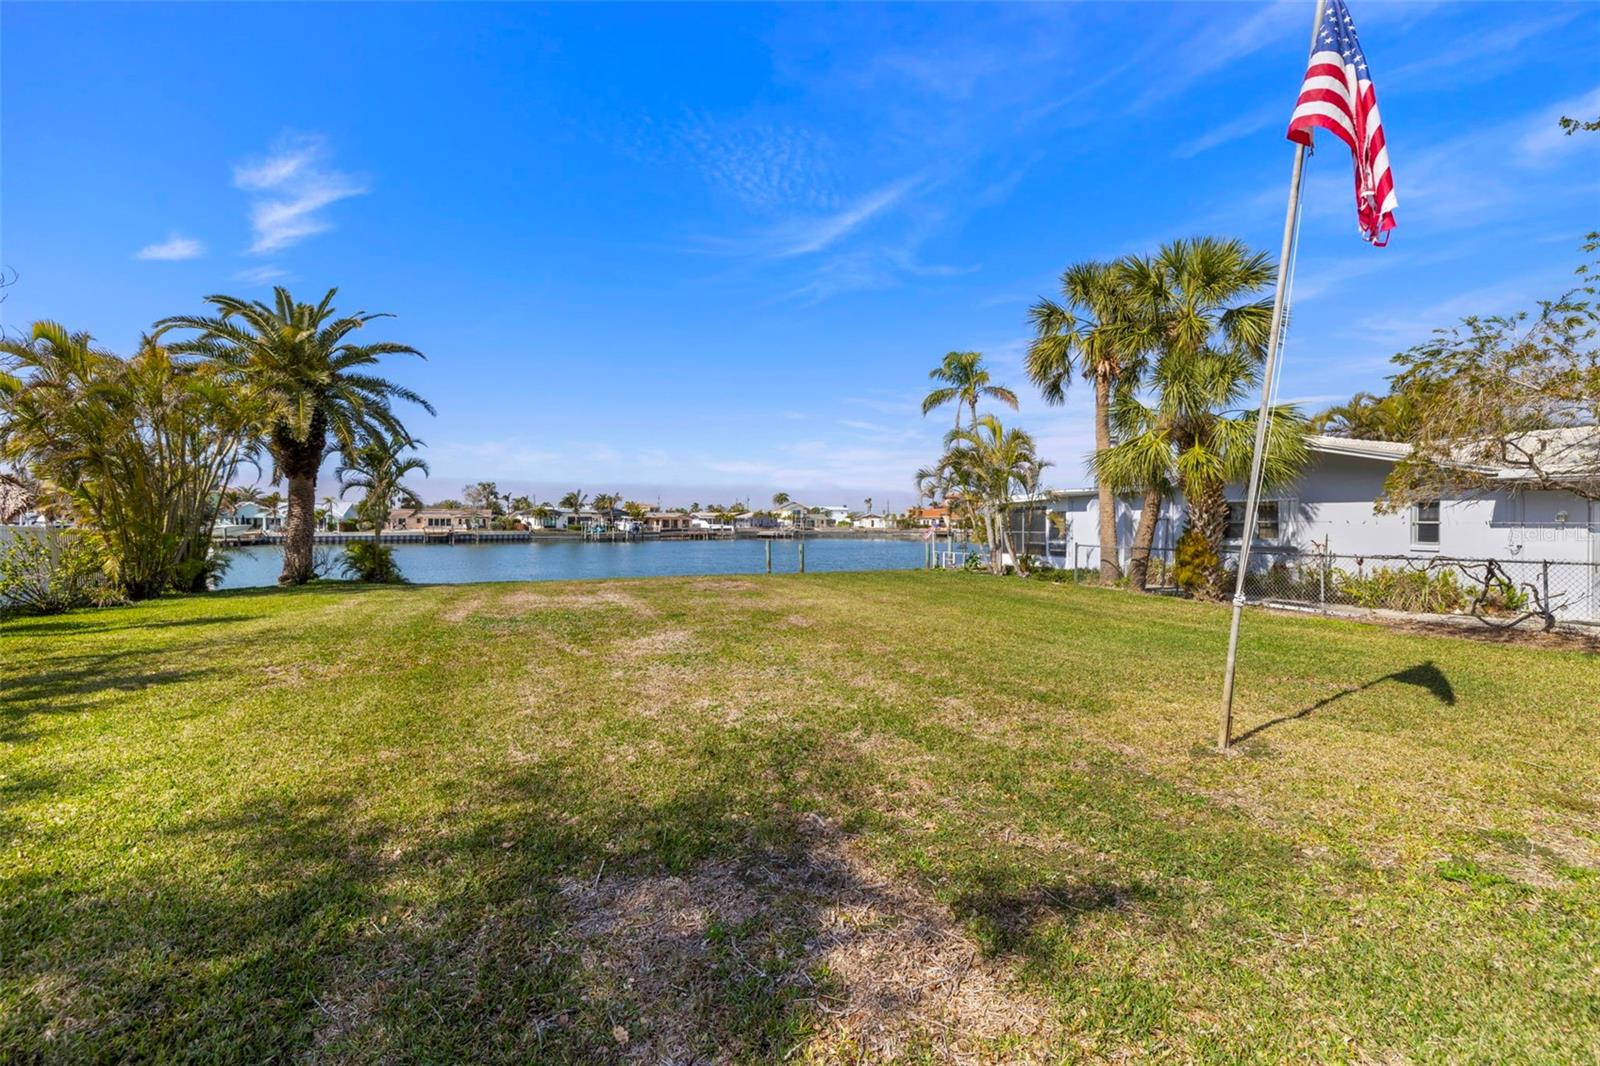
(1333, 503)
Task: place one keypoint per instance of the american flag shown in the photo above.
(1337, 95)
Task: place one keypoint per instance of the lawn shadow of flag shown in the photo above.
(1423, 675)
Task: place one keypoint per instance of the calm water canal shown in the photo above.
(454, 564)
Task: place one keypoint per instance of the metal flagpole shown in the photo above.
(1268, 383)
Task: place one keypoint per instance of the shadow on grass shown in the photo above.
(1008, 916)
(536, 918)
(1424, 675)
(82, 623)
(67, 684)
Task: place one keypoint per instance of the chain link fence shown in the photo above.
(1498, 590)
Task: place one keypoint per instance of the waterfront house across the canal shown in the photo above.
(441, 519)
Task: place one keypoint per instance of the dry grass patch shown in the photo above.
(878, 970)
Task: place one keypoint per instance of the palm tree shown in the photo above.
(379, 468)
(991, 463)
(868, 502)
(966, 381)
(137, 451)
(1193, 436)
(1211, 337)
(779, 499)
(298, 361)
(1368, 417)
(1095, 331)
(574, 501)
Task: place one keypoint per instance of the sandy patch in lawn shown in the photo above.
(882, 969)
(721, 584)
(651, 645)
(464, 607)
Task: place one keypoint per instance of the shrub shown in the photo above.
(47, 573)
(1404, 590)
(369, 561)
(1193, 561)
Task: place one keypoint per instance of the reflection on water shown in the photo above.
(454, 564)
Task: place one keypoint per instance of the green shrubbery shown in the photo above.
(369, 561)
(1438, 592)
(47, 573)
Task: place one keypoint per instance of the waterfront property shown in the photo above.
(667, 522)
(933, 516)
(440, 520)
(780, 819)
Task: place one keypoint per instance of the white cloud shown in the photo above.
(764, 166)
(1238, 128)
(261, 275)
(173, 248)
(1546, 138)
(804, 236)
(1228, 38)
(293, 184)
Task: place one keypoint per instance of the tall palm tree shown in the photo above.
(966, 381)
(299, 362)
(1095, 331)
(779, 499)
(379, 468)
(1210, 328)
(574, 501)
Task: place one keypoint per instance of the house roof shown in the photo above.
(1571, 452)
(1387, 450)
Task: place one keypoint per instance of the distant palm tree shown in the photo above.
(966, 382)
(379, 467)
(298, 362)
(574, 501)
(990, 464)
(779, 499)
(1096, 332)
(328, 503)
(1368, 417)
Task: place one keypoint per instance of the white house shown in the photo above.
(1331, 508)
(873, 521)
(257, 517)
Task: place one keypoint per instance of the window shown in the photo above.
(1266, 520)
(1425, 523)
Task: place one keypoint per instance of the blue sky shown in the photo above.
(709, 252)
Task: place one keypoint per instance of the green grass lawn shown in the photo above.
(902, 816)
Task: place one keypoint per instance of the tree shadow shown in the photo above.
(69, 683)
(81, 623)
(1008, 914)
(535, 919)
(1424, 675)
